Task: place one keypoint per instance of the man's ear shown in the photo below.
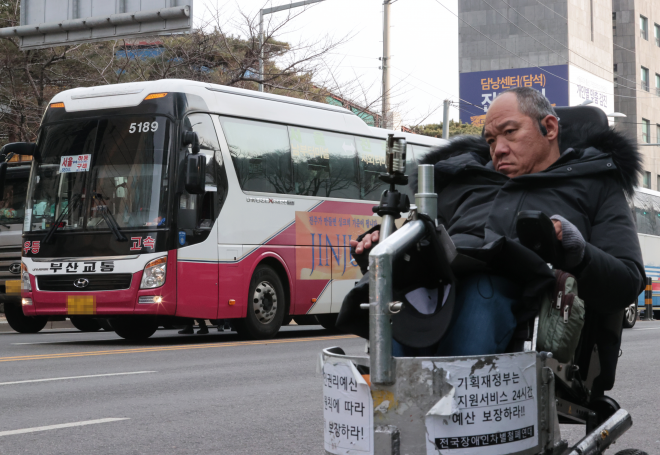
(551, 124)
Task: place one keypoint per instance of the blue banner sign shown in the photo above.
(479, 89)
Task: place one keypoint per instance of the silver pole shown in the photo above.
(261, 50)
(445, 120)
(425, 198)
(386, 227)
(386, 66)
(608, 432)
(381, 260)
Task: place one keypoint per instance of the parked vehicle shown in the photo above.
(172, 199)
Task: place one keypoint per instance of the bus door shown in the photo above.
(197, 257)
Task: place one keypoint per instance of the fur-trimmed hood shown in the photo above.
(622, 150)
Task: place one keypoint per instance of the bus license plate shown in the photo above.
(81, 304)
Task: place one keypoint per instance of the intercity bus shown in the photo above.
(155, 201)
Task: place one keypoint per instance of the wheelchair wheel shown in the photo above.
(631, 452)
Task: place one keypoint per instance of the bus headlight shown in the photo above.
(25, 279)
(154, 274)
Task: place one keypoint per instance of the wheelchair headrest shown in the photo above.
(576, 120)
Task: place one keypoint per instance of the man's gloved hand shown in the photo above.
(571, 240)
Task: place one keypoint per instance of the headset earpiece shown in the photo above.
(543, 129)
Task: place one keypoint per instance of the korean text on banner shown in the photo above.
(347, 410)
(490, 410)
(76, 163)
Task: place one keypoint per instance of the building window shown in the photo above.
(644, 27)
(645, 79)
(646, 183)
(616, 67)
(657, 182)
(657, 139)
(657, 84)
(614, 23)
(646, 131)
(656, 33)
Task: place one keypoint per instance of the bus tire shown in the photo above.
(266, 306)
(21, 323)
(85, 324)
(630, 316)
(328, 321)
(134, 329)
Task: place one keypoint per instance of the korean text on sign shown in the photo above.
(495, 408)
(347, 410)
(75, 163)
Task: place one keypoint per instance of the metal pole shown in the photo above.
(648, 299)
(425, 198)
(602, 437)
(386, 66)
(445, 120)
(381, 260)
(261, 50)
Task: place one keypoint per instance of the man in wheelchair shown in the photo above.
(574, 169)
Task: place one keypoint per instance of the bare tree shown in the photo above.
(223, 52)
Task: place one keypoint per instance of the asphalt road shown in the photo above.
(214, 393)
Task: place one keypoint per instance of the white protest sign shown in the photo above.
(347, 410)
(492, 408)
(76, 163)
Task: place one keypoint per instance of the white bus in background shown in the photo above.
(646, 207)
(126, 222)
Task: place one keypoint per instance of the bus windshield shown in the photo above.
(12, 206)
(89, 169)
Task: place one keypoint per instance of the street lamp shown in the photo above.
(263, 12)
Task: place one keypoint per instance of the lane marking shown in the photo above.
(62, 425)
(168, 348)
(76, 377)
(649, 328)
(70, 341)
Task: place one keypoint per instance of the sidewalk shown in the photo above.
(4, 326)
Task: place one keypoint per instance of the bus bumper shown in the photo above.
(159, 301)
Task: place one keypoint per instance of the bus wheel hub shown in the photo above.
(264, 302)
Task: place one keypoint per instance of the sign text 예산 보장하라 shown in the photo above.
(479, 89)
(491, 409)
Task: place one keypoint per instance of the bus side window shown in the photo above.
(199, 210)
(260, 153)
(371, 156)
(324, 163)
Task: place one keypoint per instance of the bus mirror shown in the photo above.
(19, 148)
(195, 174)
(3, 173)
(191, 138)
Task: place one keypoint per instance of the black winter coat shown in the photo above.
(587, 186)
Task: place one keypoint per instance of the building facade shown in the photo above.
(563, 48)
(636, 36)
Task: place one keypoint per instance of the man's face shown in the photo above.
(517, 146)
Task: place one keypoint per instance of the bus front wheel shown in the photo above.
(134, 329)
(21, 323)
(266, 303)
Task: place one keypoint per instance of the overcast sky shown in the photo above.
(423, 42)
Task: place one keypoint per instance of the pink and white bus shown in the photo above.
(154, 201)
